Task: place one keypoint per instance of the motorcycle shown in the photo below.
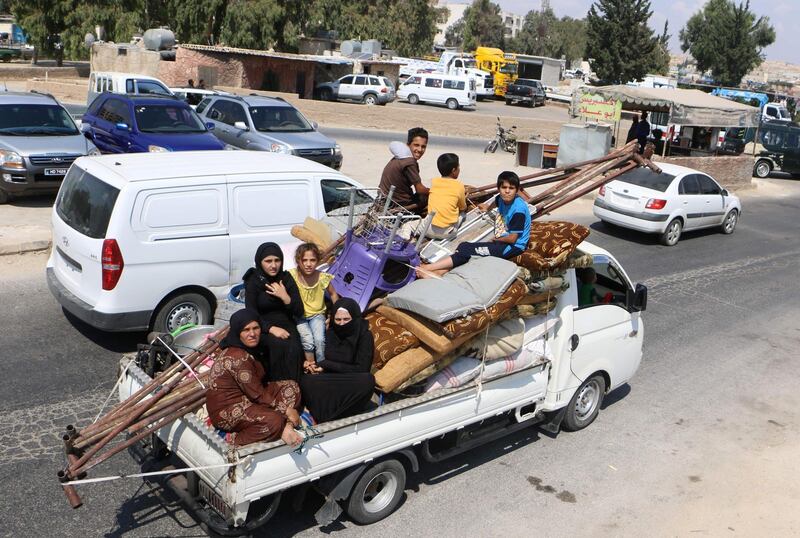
(506, 139)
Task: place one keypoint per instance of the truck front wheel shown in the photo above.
(377, 493)
(585, 404)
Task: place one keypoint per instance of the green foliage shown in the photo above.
(544, 34)
(619, 41)
(407, 26)
(727, 39)
(481, 26)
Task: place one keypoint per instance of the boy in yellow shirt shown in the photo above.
(447, 198)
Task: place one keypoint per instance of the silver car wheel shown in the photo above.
(731, 219)
(183, 314)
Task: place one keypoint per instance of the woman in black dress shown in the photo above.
(272, 292)
(341, 385)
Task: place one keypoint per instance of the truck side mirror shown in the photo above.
(637, 299)
(725, 192)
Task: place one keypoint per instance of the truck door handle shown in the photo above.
(574, 340)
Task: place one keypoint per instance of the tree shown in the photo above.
(727, 39)
(619, 41)
(543, 34)
(454, 35)
(252, 24)
(660, 59)
(483, 25)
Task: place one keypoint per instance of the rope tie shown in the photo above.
(309, 433)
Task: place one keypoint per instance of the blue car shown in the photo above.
(136, 124)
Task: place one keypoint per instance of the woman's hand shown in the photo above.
(293, 416)
(277, 332)
(289, 436)
(278, 290)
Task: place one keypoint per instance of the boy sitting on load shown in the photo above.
(447, 198)
(512, 230)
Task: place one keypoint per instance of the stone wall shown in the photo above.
(125, 58)
(732, 172)
(240, 71)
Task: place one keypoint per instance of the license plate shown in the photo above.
(55, 171)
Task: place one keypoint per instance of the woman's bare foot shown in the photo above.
(289, 436)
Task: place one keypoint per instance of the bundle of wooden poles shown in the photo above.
(176, 391)
(574, 180)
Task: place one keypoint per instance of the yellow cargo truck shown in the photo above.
(501, 65)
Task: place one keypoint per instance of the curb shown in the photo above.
(25, 246)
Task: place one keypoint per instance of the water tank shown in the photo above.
(350, 47)
(371, 46)
(159, 39)
(88, 40)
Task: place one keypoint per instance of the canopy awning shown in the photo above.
(685, 107)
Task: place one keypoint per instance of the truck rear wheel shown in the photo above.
(377, 493)
(585, 404)
(762, 168)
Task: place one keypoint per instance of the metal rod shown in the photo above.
(388, 200)
(352, 209)
(425, 228)
(141, 435)
(555, 205)
(395, 226)
(134, 413)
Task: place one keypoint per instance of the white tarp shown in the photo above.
(685, 107)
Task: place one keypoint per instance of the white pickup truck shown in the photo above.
(360, 463)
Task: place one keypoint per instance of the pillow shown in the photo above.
(427, 331)
(466, 289)
(551, 244)
(403, 367)
(428, 372)
(529, 355)
(502, 340)
(550, 283)
(528, 311)
(537, 326)
(390, 339)
(460, 372)
(482, 319)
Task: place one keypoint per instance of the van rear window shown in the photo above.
(644, 177)
(85, 203)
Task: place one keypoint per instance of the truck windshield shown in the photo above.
(36, 120)
(279, 118)
(508, 69)
(168, 119)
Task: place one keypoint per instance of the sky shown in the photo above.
(784, 15)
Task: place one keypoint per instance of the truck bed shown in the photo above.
(266, 468)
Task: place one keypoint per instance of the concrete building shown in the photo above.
(512, 22)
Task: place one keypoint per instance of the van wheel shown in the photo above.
(413, 99)
(762, 168)
(377, 493)
(729, 224)
(672, 233)
(452, 104)
(183, 309)
(585, 404)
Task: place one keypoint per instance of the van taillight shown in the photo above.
(655, 203)
(602, 191)
(112, 264)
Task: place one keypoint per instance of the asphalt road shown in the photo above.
(700, 441)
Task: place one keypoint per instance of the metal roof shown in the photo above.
(335, 60)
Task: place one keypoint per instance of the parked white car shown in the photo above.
(454, 91)
(125, 83)
(153, 240)
(676, 200)
(367, 89)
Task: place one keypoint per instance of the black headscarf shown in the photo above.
(264, 250)
(349, 347)
(349, 329)
(239, 321)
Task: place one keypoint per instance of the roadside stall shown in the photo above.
(690, 121)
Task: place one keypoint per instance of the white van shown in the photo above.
(451, 90)
(109, 81)
(153, 241)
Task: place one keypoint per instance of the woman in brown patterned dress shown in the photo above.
(238, 401)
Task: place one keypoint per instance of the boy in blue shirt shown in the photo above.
(512, 230)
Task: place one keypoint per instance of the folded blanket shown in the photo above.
(480, 320)
(502, 340)
(528, 311)
(551, 244)
(428, 332)
(391, 339)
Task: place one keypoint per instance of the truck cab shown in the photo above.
(502, 66)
